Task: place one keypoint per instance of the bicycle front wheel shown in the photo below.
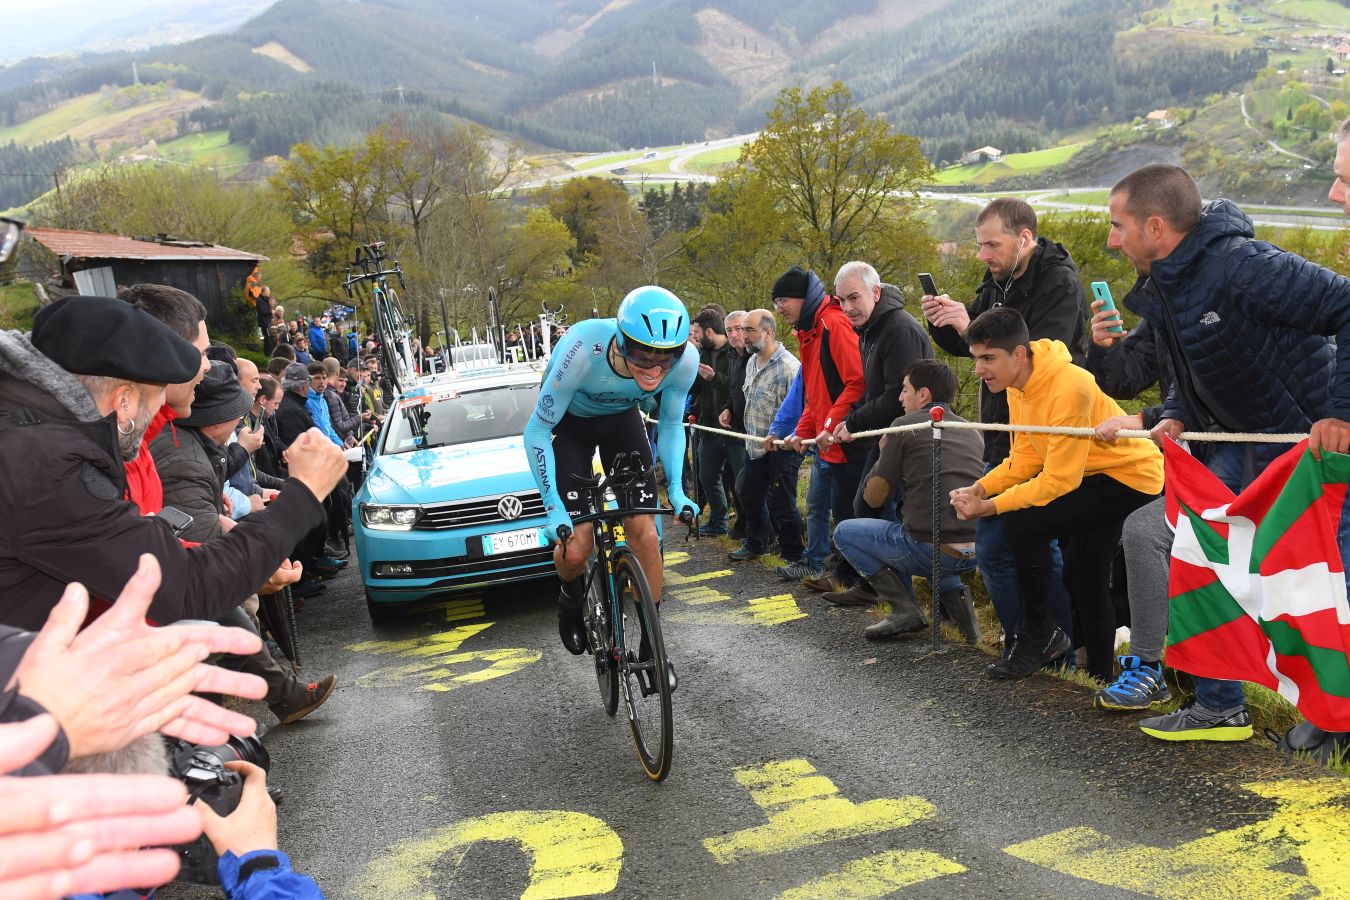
(642, 666)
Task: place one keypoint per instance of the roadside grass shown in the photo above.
(18, 303)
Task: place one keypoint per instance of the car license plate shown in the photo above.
(511, 541)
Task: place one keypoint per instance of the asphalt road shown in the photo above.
(465, 754)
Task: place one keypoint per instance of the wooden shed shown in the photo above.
(96, 264)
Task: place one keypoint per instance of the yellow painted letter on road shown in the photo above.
(805, 809)
(1309, 830)
(570, 855)
(876, 876)
(438, 666)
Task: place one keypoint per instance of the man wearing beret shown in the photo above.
(75, 399)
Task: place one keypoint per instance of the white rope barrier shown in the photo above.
(1127, 433)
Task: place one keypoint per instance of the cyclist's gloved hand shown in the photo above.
(557, 518)
(679, 502)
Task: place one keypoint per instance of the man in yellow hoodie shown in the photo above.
(1076, 489)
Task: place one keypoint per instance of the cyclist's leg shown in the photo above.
(628, 435)
(573, 447)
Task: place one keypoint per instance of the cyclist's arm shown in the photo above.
(669, 423)
(560, 385)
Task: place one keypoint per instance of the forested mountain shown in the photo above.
(590, 74)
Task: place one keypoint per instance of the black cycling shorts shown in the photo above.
(575, 440)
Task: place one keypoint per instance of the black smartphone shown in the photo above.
(178, 520)
(926, 282)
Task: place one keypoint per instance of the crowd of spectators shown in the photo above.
(1239, 335)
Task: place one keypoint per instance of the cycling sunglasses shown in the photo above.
(641, 356)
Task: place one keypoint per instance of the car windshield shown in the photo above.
(445, 416)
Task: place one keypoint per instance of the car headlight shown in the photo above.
(390, 518)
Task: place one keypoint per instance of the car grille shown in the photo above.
(479, 511)
(460, 567)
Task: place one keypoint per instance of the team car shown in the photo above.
(449, 503)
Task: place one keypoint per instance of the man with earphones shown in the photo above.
(1038, 278)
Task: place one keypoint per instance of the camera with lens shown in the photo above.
(202, 771)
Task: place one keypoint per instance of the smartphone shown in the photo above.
(926, 282)
(178, 520)
(1102, 291)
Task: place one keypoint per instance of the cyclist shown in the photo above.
(598, 374)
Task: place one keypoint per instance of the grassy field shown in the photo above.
(713, 159)
(1010, 165)
(82, 118)
(208, 148)
(1318, 12)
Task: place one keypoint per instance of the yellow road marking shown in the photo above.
(805, 809)
(760, 611)
(876, 876)
(441, 675)
(426, 645)
(571, 855)
(458, 610)
(439, 666)
(675, 579)
(675, 557)
(699, 595)
(1308, 830)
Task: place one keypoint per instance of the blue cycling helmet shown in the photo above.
(654, 317)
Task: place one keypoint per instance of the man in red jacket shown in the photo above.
(832, 381)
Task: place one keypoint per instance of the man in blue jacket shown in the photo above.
(1258, 340)
(318, 339)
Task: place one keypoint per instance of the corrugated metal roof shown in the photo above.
(95, 245)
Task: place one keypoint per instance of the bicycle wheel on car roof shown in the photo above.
(643, 672)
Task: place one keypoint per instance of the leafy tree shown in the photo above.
(842, 184)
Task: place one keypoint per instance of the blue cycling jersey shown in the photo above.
(579, 380)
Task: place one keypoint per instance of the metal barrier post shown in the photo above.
(935, 582)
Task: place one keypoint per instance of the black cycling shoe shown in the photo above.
(645, 682)
(571, 627)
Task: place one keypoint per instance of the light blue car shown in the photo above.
(449, 503)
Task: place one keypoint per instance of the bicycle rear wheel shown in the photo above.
(646, 684)
(601, 637)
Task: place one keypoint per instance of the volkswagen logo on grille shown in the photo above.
(509, 508)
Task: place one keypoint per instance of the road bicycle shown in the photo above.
(619, 612)
(393, 329)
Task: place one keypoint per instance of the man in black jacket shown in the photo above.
(890, 341)
(732, 416)
(1037, 278)
(74, 403)
(715, 452)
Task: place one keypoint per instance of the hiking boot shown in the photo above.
(798, 570)
(742, 554)
(822, 584)
(905, 616)
(960, 608)
(302, 704)
(1028, 655)
(1194, 722)
(1138, 686)
(861, 594)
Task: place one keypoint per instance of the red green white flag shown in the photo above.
(1257, 584)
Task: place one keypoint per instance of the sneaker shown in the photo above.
(1194, 722)
(1138, 686)
(328, 562)
(295, 709)
(742, 554)
(1029, 655)
(302, 589)
(797, 571)
(823, 583)
(334, 550)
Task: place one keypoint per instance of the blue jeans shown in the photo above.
(818, 514)
(768, 491)
(873, 544)
(1000, 577)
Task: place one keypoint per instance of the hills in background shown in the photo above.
(585, 75)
